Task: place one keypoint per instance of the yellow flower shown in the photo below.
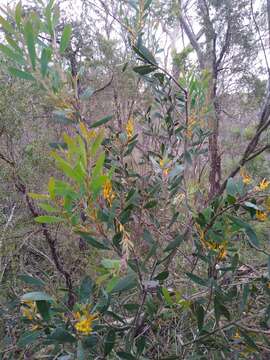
(221, 248)
(108, 193)
(245, 176)
(237, 335)
(26, 312)
(161, 163)
(222, 253)
(29, 310)
(263, 185)
(130, 128)
(84, 322)
(261, 215)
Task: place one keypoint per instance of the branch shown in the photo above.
(192, 38)
(225, 45)
(103, 87)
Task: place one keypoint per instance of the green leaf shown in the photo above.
(36, 296)
(140, 344)
(65, 39)
(145, 54)
(144, 69)
(44, 309)
(101, 122)
(18, 58)
(85, 290)
(150, 204)
(167, 296)
(125, 355)
(99, 165)
(6, 25)
(252, 237)
(131, 307)
(111, 264)
(13, 44)
(200, 316)
(126, 283)
(18, 13)
(47, 207)
(234, 187)
(109, 342)
(46, 219)
(30, 40)
(174, 244)
(80, 351)
(44, 61)
(97, 183)
(93, 242)
(67, 169)
(30, 280)
(90, 341)
(251, 205)
(62, 336)
(162, 276)
(197, 279)
(96, 144)
(28, 338)
(244, 300)
(38, 196)
(220, 309)
(21, 74)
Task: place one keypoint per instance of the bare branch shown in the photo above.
(192, 38)
(225, 46)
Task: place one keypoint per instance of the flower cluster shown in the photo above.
(130, 128)
(84, 321)
(29, 310)
(261, 215)
(245, 176)
(263, 185)
(108, 192)
(221, 248)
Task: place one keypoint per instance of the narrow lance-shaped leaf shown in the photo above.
(44, 61)
(46, 219)
(36, 296)
(18, 13)
(12, 54)
(101, 122)
(6, 25)
(21, 74)
(65, 39)
(30, 42)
